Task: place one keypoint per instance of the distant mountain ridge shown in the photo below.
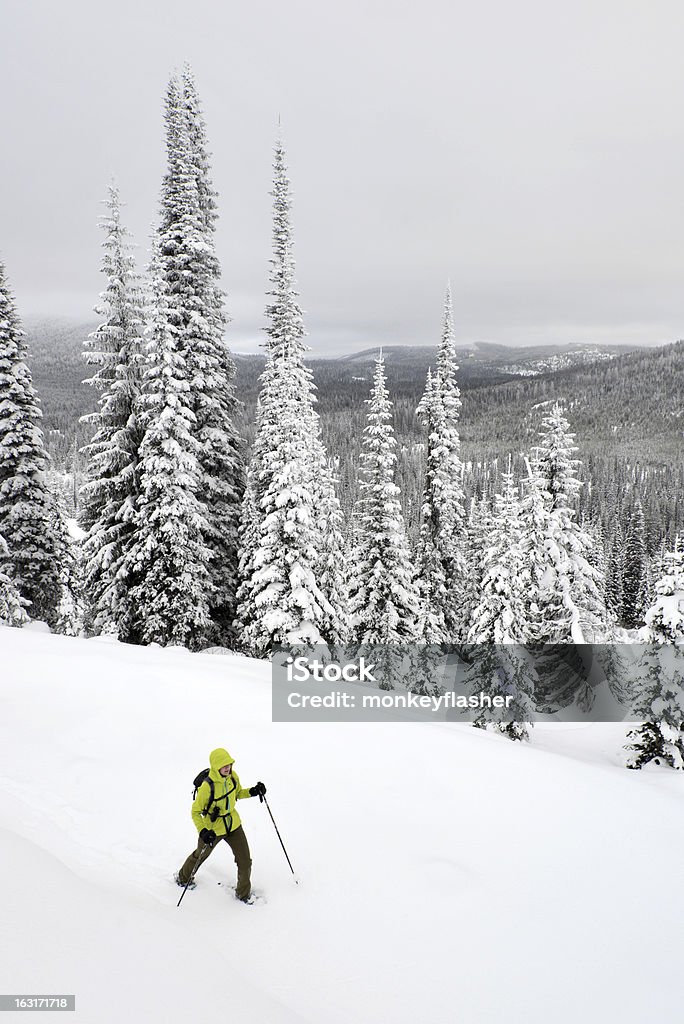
(619, 395)
(485, 351)
(492, 359)
(625, 406)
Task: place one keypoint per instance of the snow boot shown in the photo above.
(192, 884)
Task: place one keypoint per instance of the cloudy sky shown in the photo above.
(530, 151)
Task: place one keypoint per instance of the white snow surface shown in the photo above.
(445, 873)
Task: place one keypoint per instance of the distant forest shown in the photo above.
(627, 413)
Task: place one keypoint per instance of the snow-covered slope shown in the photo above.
(445, 874)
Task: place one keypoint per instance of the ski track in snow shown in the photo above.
(446, 873)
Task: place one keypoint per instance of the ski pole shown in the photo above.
(199, 861)
(262, 796)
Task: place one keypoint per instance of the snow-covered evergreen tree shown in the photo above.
(384, 600)
(212, 370)
(660, 697)
(567, 547)
(191, 460)
(562, 594)
(109, 496)
(546, 617)
(555, 463)
(431, 580)
(288, 605)
(442, 567)
(281, 598)
(35, 534)
(635, 570)
(614, 572)
(500, 615)
(499, 627)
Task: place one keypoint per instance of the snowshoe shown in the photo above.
(192, 884)
(256, 896)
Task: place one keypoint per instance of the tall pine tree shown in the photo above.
(499, 626)
(567, 547)
(280, 599)
(37, 544)
(442, 567)
(384, 599)
(191, 457)
(221, 457)
(431, 578)
(108, 498)
(635, 570)
(500, 615)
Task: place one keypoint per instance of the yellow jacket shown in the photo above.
(226, 791)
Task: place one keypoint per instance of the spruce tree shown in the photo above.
(280, 599)
(547, 618)
(36, 537)
(431, 579)
(499, 626)
(109, 496)
(568, 547)
(555, 463)
(660, 696)
(614, 588)
(562, 598)
(221, 457)
(500, 616)
(191, 460)
(442, 567)
(283, 601)
(384, 600)
(635, 569)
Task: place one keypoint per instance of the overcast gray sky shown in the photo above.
(530, 151)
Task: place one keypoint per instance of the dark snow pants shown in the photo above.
(237, 840)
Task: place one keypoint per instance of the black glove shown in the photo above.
(258, 790)
(207, 836)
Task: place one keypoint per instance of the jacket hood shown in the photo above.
(218, 758)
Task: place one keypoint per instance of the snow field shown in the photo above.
(445, 873)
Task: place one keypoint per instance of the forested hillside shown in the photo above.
(627, 412)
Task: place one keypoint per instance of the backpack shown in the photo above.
(197, 782)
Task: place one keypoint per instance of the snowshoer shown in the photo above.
(215, 817)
